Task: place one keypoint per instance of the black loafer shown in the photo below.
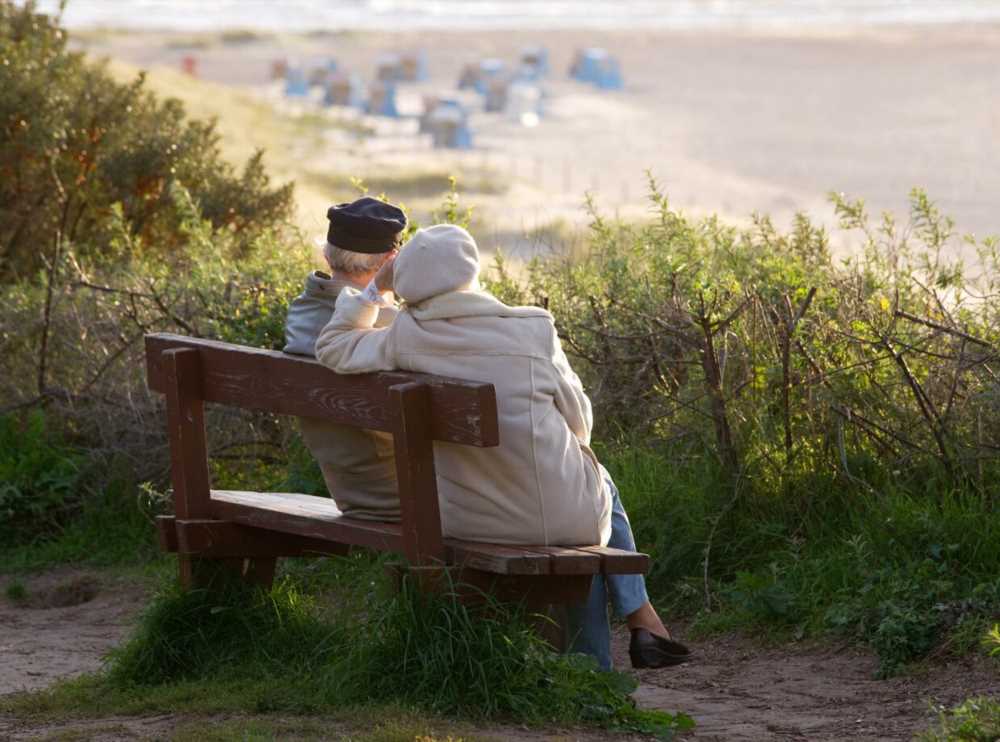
(647, 650)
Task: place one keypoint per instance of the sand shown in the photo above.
(729, 122)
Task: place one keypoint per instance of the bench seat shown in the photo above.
(317, 519)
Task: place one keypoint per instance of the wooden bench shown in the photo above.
(247, 531)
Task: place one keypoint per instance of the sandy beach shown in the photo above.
(730, 122)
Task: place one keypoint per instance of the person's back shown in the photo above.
(358, 465)
(542, 484)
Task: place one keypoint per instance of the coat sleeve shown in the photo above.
(350, 343)
(386, 315)
(571, 401)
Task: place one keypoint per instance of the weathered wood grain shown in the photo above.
(418, 496)
(461, 411)
(616, 561)
(304, 515)
(186, 432)
(166, 533)
(498, 558)
(220, 538)
(569, 561)
(188, 451)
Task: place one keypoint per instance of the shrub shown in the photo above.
(38, 473)
(74, 144)
(975, 720)
(802, 442)
(76, 346)
(756, 347)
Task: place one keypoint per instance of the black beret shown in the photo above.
(366, 225)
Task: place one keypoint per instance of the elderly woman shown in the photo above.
(542, 484)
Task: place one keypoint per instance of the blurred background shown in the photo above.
(735, 106)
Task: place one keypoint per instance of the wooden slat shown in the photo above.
(617, 562)
(252, 378)
(304, 515)
(472, 586)
(535, 591)
(418, 497)
(219, 538)
(570, 561)
(498, 558)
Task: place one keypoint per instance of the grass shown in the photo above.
(16, 592)
(902, 572)
(974, 720)
(354, 728)
(109, 530)
(282, 652)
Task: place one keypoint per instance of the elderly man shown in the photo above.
(542, 484)
(358, 465)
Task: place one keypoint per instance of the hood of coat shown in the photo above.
(435, 261)
(437, 275)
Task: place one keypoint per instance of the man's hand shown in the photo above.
(384, 278)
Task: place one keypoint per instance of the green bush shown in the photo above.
(39, 474)
(901, 571)
(806, 444)
(74, 144)
(975, 720)
(787, 367)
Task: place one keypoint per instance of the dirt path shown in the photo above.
(66, 623)
(736, 690)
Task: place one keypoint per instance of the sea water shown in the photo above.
(333, 15)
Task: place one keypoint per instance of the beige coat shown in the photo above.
(542, 484)
(358, 466)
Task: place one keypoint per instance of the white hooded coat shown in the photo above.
(541, 485)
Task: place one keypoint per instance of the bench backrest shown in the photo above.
(255, 379)
(416, 408)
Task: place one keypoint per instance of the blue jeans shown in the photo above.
(587, 623)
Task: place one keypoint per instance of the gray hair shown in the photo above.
(351, 263)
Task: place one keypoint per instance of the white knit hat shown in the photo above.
(436, 260)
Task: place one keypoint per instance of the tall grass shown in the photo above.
(899, 570)
(282, 651)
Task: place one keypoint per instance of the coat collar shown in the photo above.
(456, 304)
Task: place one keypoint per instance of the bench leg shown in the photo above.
(198, 572)
(260, 571)
(207, 574)
(534, 592)
(549, 622)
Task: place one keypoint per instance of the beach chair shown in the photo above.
(413, 66)
(449, 127)
(389, 68)
(296, 84)
(343, 89)
(382, 99)
(489, 69)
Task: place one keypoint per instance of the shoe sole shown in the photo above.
(669, 660)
